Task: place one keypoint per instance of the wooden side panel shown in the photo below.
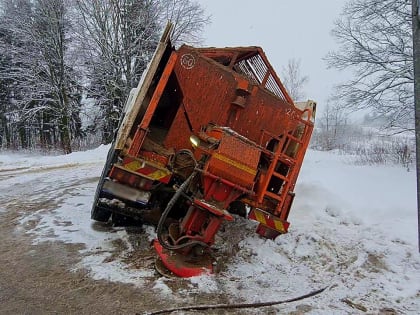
(138, 102)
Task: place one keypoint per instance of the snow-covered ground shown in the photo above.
(354, 229)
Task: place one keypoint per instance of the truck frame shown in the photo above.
(208, 133)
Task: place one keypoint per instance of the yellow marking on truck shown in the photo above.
(134, 165)
(260, 217)
(236, 164)
(148, 170)
(279, 226)
(158, 174)
(269, 221)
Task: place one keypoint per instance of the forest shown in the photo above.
(67, 67)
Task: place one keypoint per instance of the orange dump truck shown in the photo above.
(208, 133)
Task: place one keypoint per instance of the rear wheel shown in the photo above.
(99, 213)
(118, 219)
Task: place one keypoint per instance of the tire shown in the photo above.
(98, 213)
(118, 219)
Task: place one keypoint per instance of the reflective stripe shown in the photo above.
(159, 174)
(268, 220)
(236, 164)
(135, 165)
(150, 171)
(279, 226)
(259, 216)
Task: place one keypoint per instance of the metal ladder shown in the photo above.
(293, 163)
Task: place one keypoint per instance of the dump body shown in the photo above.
(209, 132)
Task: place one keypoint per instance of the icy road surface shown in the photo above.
(353, 229)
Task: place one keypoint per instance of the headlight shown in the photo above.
(195, 141)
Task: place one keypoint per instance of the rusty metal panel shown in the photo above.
(209, 92)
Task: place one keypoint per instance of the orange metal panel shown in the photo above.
(208, 90)
(235, 161)
(142, 128)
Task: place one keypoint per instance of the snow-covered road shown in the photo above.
(353, 229)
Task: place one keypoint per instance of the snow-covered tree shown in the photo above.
(119, 38)
(12, 65)
(5, 90)
(51, 33)
(45, 93)
(54, 51)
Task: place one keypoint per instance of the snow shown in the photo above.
(33, 161)
(353, 229)
(161, 287)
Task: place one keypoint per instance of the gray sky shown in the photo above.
(285, 29)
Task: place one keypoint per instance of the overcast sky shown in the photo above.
(285, 29)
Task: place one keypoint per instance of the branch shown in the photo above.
(239, 305)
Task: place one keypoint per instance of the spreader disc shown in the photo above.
(180, 265)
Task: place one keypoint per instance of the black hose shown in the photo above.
(187, 152)
(165, 213)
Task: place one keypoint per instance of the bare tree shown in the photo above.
(188, 18)
(331, 128)
(376, 43)
(293, 80)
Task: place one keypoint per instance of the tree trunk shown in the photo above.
(22, 136)
(64, 126)
(65, 134)
(5, 136)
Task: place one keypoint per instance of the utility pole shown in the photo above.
(416, 55)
